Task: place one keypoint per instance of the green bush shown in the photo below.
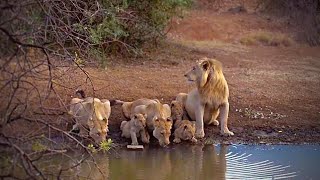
(107, 26)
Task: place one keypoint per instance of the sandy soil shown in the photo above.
(274, 90)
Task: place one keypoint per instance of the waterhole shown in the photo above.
(191, 162)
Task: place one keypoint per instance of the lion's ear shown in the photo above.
(205, 65)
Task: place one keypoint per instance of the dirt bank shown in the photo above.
(274, 88)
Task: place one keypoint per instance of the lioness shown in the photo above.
(211, 96)
(158, 120)
(134, 128)
(162, 130)
(154, 110)
(128, 107)
(91, 113)
(185, 130)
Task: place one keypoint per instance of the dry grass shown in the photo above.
(209, 45)
(267, 38)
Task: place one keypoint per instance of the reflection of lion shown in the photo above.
(134, 128)
(211, 96)
(91, 113)
(184, 130)
(158, 120)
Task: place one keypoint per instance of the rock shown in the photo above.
(135, 147)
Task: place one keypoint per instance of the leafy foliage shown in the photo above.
(85, 26)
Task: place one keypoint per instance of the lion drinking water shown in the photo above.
(91, 113)
(157, 117)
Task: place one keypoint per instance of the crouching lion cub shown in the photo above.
(158, 120)
(184, 130)
(209, 97)
(134, 128)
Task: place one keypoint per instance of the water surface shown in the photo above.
(184, 162)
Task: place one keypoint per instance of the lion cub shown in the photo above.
(184, 130)
(134, 128)
(177, 110)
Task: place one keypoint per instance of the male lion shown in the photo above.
(211, 96)
(158, 120)
(134, 128)
(185, 130)
(91, 113)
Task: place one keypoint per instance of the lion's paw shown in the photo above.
(146, 141)
(199, 134)
(177, 140)
(227, 133)
(134, 143)
(194, 140)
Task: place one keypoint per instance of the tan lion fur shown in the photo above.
(177, 110)
(185, 130)
(128, 107)
(154, 112)
(162, 130)
(91, 113)
(204, 103)
(134, 128)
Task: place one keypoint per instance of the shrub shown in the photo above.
(106, 26)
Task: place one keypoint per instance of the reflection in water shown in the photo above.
(240, 168)
(178, 162)
(193, 162)
(75, 167)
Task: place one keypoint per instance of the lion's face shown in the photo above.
(162, 130)
(176, 110)
(99, 131)
(139, 120)
(187, 131)
(199, 73)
